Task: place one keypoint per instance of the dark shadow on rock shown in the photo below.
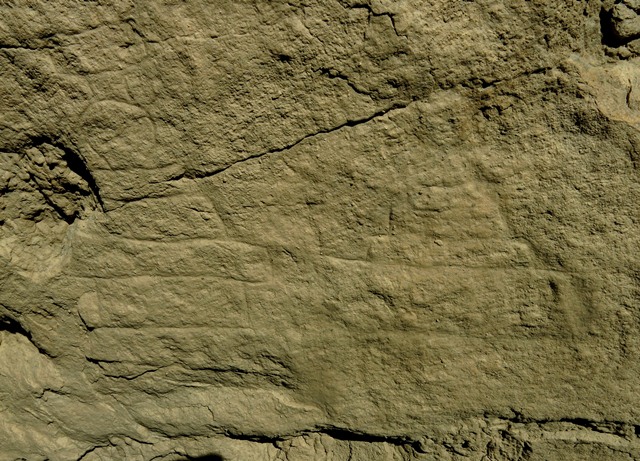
(609, 36)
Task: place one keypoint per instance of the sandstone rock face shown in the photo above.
(319, 230)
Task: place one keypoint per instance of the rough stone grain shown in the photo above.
(319, 230)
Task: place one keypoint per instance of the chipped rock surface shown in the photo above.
(319, 230)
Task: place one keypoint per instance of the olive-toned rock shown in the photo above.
(319, 230)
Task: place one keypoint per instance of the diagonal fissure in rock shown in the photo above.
(75, 162)
(291, 145)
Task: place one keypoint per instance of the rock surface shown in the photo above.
(319, 230)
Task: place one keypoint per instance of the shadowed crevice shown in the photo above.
(608, 34)
(75, 162)
(11, 325)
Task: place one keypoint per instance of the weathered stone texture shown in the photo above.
(319, 230)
